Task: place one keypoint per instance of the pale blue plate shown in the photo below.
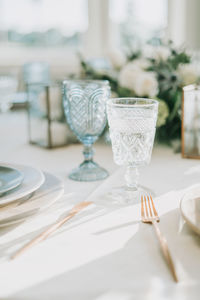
(10, 178)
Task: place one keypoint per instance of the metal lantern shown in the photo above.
(46, 123)
(191, 121)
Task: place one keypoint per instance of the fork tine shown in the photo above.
(154, 209)
(151, 214)
(142, 207)
(146, 209)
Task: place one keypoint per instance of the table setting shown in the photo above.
(88, 232)
(31, 191)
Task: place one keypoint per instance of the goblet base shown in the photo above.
(127, 196)
(88, 171)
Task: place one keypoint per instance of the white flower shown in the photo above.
(163, 113)
(117, 58)
(142, 63)
(161, 53)
(142, 83)
(158, 52)
(146, 84)
(187, 74)
(128, 75)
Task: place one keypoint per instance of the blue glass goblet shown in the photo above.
(85, 110)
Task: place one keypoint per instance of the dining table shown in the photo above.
(105, 252)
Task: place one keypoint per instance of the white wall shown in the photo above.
(184, 23)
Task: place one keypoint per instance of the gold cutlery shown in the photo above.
(150, 215)
(42, 236)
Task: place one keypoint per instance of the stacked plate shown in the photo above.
(24, 191)
(190, 208)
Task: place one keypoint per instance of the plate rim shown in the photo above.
(16, 184)
(187, 220)
(60, 192)
(31, 190)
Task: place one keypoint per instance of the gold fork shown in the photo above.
(42, 236)
(150, 215)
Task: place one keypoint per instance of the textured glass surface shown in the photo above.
(132, 132)
(85, 109)
(132, 126)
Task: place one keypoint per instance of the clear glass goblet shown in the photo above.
(85, 110)
(132, 126)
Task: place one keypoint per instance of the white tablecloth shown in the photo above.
(105, 253)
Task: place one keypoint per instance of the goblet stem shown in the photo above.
(88, 152)
(132, 177)
(88, 170)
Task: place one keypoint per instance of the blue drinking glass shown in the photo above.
(85, 110)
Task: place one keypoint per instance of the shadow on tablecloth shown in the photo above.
(136, 271)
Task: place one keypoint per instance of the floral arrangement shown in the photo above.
(157, 72)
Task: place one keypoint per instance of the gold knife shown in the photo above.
(42, 236)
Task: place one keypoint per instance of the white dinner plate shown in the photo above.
(10, 178)
(50, 191)
(190, 208)
(33, 179)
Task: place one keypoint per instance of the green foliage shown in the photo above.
(169, 85)
(131, 55)
(177, 58)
